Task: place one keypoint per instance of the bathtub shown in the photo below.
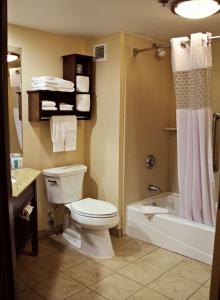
(170, 231)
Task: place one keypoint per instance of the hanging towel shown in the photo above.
(58, 132)
(71, 133)
(15, 77)
(82, 84)
(83, 102)
(63, 133)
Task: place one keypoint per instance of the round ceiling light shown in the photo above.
(12, 57)
(196, 9)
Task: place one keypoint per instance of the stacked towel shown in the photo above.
(65, 106)
(63, 133)
(52, 84)
(83, 102)
(48, 105)
(82, 84)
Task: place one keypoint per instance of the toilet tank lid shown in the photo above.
(65, 170)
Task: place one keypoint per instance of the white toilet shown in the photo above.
(86, 221)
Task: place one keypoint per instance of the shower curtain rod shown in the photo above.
(155, 46)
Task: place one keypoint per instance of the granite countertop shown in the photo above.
(24, 177)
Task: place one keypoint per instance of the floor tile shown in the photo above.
(33, 271)
(163, 258)
(134, 249)
(192, 270)
(115, 263)
(57, 287)
(115, 287)
(66, 259)
(208, 283)
(201, 294)
(174, 287)
(88, 272)
(147, 294)
(120, 241)
(142, 272)
(86, 294)
(28, 294)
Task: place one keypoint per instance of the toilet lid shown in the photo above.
(94, 208)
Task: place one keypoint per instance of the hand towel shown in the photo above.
(83, 102)
(82, 84)
(71, 133)
(49, 108)
(48, 103)
(58, 132)
(65, 106)
(52, 81)
(15, 77)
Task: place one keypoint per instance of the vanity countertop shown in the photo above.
(24, 177)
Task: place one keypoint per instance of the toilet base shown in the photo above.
(94, 243)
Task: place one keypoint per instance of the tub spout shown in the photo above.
(153, 188)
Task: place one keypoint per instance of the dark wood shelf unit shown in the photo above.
(70, 73)
(35, 99)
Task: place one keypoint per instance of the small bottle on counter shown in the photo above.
(16, 160)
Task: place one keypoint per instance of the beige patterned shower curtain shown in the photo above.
(191, 66)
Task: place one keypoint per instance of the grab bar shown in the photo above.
(216, 117)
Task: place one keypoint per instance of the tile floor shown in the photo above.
(138, 271)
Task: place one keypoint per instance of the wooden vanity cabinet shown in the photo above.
(26, 230)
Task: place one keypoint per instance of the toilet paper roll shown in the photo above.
(26, 212)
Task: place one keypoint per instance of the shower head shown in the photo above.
(160, 52)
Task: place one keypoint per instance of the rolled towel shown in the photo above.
(82, 84)
(83, 102)
(52, 81)
(48, 103)
(65, 106)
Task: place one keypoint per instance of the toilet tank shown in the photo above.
(64, 184)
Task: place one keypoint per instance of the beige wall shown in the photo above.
(102, 131)
(148, 103)
(41, 55)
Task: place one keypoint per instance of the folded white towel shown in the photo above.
(66, 108)
(45, 86)
(83, 102)
(65, 104)
(63, 133)
(52, 81)
(58, 133)
(48, 103)
(82, 84)
(49, 108)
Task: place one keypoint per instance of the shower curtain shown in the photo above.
(191, 65)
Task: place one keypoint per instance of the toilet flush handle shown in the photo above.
(52, 181)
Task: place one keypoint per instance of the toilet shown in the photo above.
(86, 221)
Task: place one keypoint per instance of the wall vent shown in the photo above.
(100, 52)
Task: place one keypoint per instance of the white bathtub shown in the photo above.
(170, 231)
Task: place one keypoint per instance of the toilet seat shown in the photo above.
(93, 208)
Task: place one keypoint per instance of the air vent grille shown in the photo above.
(99, 52)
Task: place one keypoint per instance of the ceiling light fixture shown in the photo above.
(12, 57)
(196, 9)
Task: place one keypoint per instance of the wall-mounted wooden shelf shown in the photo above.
(35, 99)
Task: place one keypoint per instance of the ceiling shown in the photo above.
(90, 18)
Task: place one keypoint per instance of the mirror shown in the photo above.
(15, 99)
